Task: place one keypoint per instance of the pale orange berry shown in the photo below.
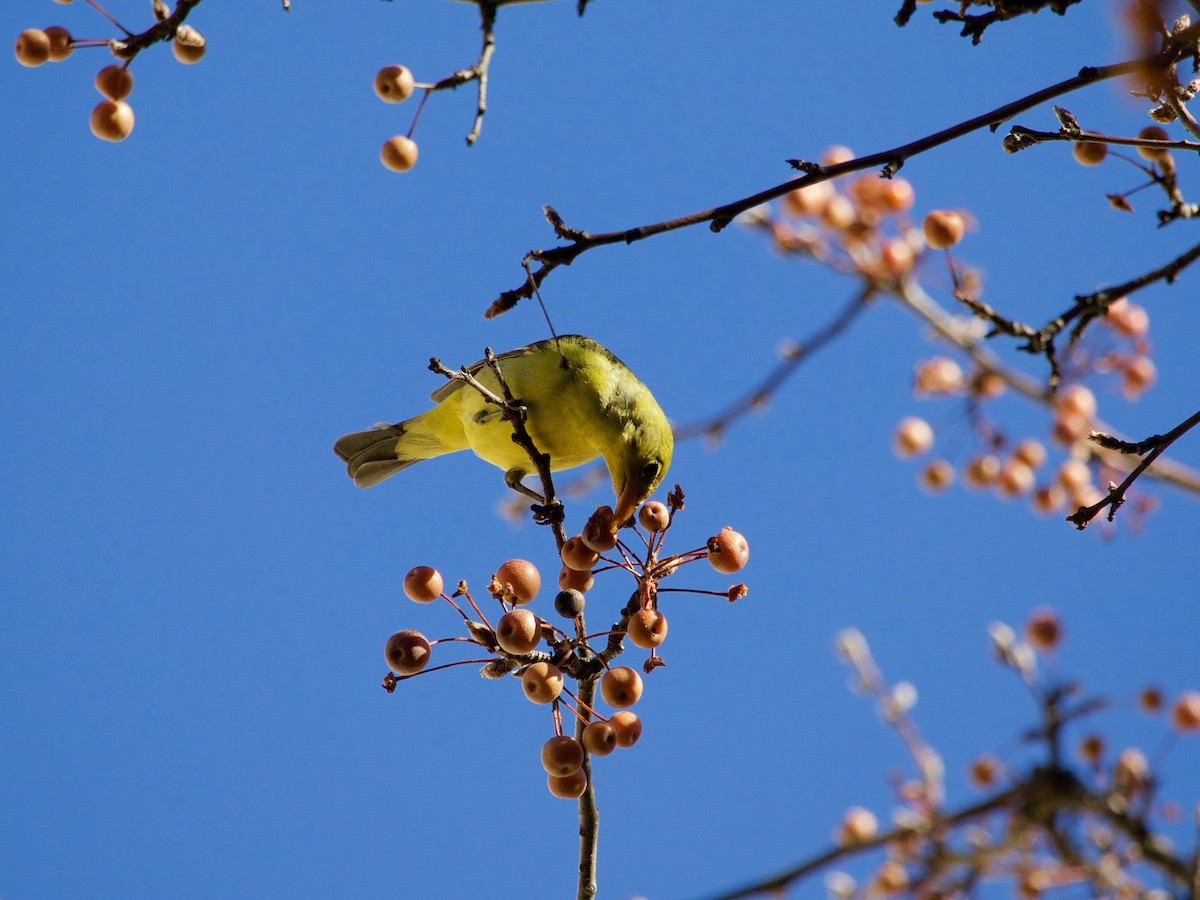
(406, 652)
(1048, 500)
(561, 756)
(1074, 475)
(912, 438)
(33, 47)
(897, 195)
(114, 82)
(398, 153)
(943, 228)
(1069, 427)
(569, 788)
(570, 580)
(981, 471)
(937, 476)
(577, 555)
(897, 256)
(1153, 133)
(858, 825)
(1078, 400)
(112, 120)
(989, 385)
(1128, 319)
(837, 155)
(518, 631)
(542, 682)
(600, 533)
(647, 628)
(1137, 376)
(627, 726)
(516, 579)
(984, 771)
(940, 375)
(1016, 479)
(1044, 630)
(892, 877)
(621, 687)
(808, 201)
(423, 584)
(728, 551)
(1131, 769)
(839, 213)
(654, 516)
(599, 738)
(188, 45)
(394, 84)
(60, 43)
(1031, 452)
(1090, 153)
(1185, 714)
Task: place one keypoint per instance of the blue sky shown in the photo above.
(196, 597)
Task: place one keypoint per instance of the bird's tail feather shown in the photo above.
(372, 456)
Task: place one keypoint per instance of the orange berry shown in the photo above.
(1044, 630)
(1128, 319)
(399, 153)
(837, 155)
(1091, 749)
(599, 738)
(1185, 715)
(728, 551)
(599, 533)
(577, 555)
(912, 438)
(839, 213)
(1049, 499)
(897, 195)
(988, 385)
(394, 84)
(1131, 769)
(569, 788)
(1137, 376)
(627, 726)
(940, 375)
(858, 825)
(897, 256)
(981, 471)
(33, 47)
(621, 687)
(406, 652)
(1089, 153)
(570, 580)
(60, 43)
(561, 756)
(518, 631)
(188, 45)
(808, 201)
(1015, 479)
(937, 476)
(984, 771)
(114, 82)
(892, 877)
(542, 682)
(516, 580)
(1150, 700)
(112, 120)
(647, 628)
(1078, 400)
(1074, 475)
(1153, 133)
(654, 516)
(569, 603)
(1031, 452)
(943, 228)
(1069, 427)
(423, 584)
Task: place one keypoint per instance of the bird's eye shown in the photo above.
(650, 472)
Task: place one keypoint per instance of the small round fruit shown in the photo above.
(943, 228)
(897, 256)
(518, 631)
(33, 47)
(569, 603)
(807, 201)
(1031, 452)
(981, 471)
(1150, 700)
(1044, 630)
(1016, 479)
(1078, 400)
(627, 726)
(399, 153)
(394, 84)
(112, 120)
(60, 43)
(599, 534)
(728, 551)
(647, 628)
(913, 437)
(599, 738)
(423, 584)
(406, 652)
(542, 682)
(1074, 475)
(940, 375)
(654, 516)
(520, 575)
(114, 82)
(937, 476)
(188, 45)
(1153, 133)
(570, 787)
(984, 770)
(1090, 153)
(858, 826)
(1185, 715)
(897, 195)
(561, 756)
(1137, 376)
(621, 687)
(577, 555)
(1048, 499)
(570, 580)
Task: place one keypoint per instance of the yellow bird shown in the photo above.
(583, 403)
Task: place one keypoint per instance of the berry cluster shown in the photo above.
(112, 118)
(395, 84)
(545, 657)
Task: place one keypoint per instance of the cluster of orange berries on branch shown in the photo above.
(112, 118)
(547, 659)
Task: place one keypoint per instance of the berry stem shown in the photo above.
(104, 12)
(461, 662)
(417, 114)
